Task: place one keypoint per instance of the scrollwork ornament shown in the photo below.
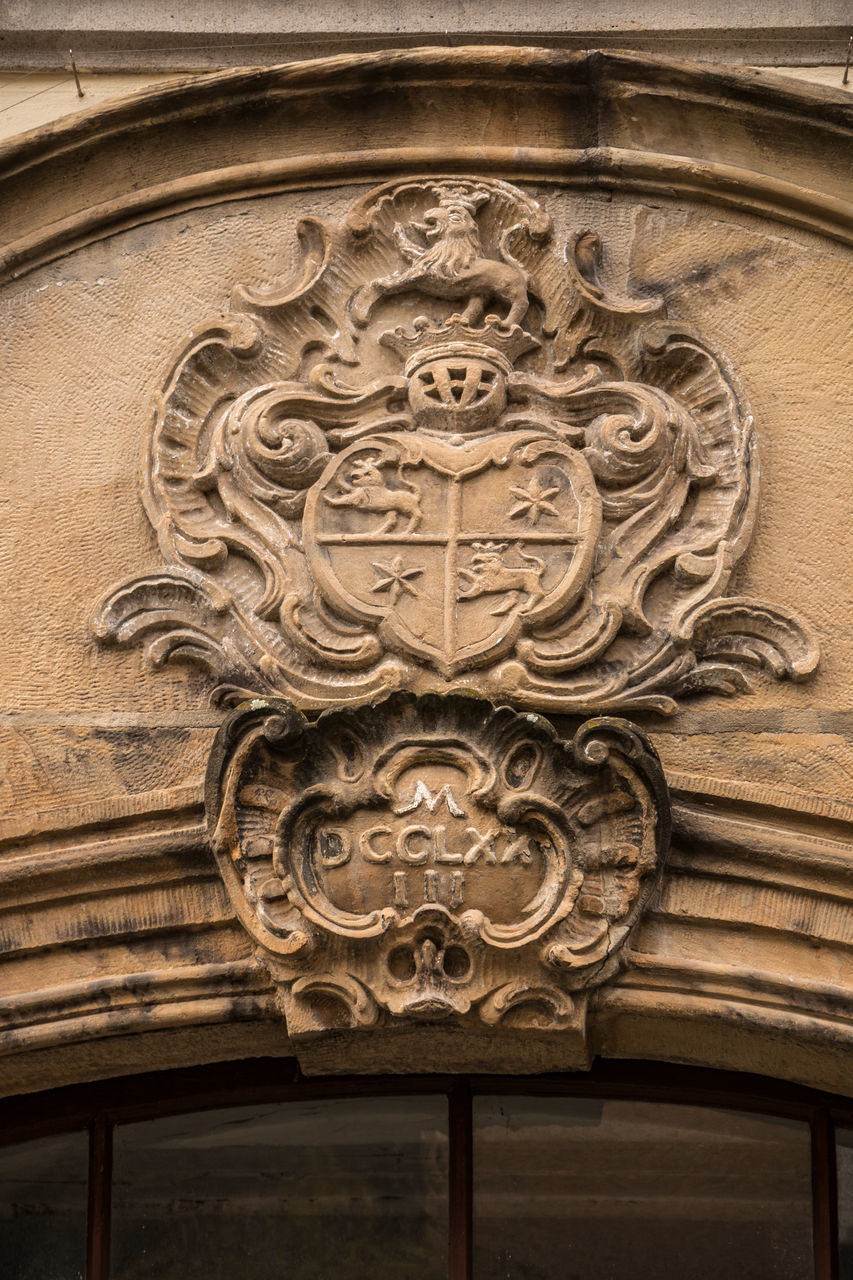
(446, 453)
(435, 859)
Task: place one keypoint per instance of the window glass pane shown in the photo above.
(347, 1189)
(844, 1148)
(587, 1190)
(43, 1192)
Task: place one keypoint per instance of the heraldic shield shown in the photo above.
(452, 549)
(446, 444)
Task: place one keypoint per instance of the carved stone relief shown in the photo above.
(443, 456)
(435, 858)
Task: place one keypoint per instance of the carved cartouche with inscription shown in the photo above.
(432, 859)
(445, 456)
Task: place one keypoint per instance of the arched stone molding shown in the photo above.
(746, 875)
(605, 121)
(121, 943)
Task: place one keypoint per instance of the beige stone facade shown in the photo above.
(645, 237)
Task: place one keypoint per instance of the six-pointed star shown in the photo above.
(534, 501)
(394, 578)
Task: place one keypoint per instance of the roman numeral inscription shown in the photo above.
(423, 795)
(436, 857)
(432, 847)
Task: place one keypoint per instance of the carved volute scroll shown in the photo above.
(435, 859)
(444, 455)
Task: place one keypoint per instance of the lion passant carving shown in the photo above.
(365, 489)
(444, 453)
(489, 575)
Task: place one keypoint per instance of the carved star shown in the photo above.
(394, 578)
(534, 501)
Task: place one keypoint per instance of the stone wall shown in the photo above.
(719, 200)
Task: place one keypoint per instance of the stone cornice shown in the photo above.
(100, 894)
(640, 124)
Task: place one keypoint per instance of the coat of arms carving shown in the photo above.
(435, 858)
(446, 455)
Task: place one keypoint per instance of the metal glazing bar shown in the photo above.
(824, 1196)
(100, 1180)
(460, 1260)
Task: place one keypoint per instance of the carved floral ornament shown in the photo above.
(446, 456)
(435, 858)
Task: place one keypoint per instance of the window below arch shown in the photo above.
(633, 1171)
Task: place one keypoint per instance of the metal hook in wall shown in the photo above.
(80, 93)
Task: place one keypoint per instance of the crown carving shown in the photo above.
(343, 532)
(471, 199)
(499, 343)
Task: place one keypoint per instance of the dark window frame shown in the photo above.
(99, 1106)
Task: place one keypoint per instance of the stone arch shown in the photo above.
(122, 229)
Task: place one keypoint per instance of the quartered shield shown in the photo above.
(451, 550)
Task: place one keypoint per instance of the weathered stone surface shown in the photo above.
(101, 533)
(215, 34)
(593, 121)
(433, 859)
(546, 483)
(124, 230)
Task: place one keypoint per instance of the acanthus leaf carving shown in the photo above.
(435, 858)
(442, 449)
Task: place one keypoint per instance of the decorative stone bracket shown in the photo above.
(435, 859)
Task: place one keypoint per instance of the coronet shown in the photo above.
(500, 344)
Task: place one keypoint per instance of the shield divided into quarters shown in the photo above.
(450, 550)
